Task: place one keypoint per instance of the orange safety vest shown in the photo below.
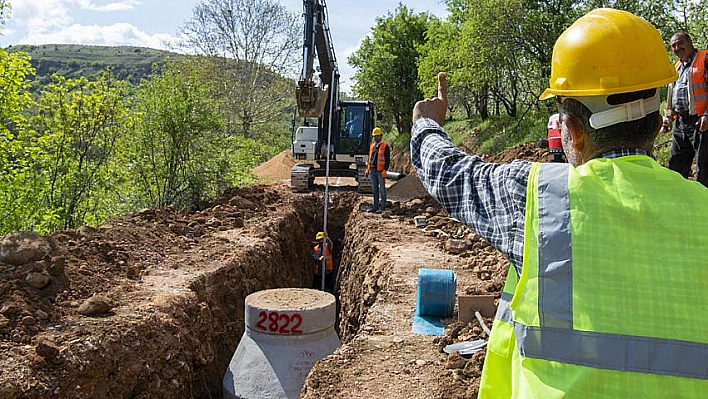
(380, 158)
(328, 259)
(697, 95)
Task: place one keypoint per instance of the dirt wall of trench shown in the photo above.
(149, 305)
(359, 281)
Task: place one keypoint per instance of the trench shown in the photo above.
(220, 295)
(178, 283)
(173, 330)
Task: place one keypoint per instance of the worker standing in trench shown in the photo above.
(323, 261)
(606, 285)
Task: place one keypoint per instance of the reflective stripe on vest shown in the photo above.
(380, 157)
(555, 339)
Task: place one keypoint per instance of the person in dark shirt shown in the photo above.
(377, 169)
(355, 127)
(686, 106)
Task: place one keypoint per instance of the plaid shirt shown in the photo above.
(488, 197)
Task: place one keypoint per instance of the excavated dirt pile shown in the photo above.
(150, 305)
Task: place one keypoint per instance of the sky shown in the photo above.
(156, 23)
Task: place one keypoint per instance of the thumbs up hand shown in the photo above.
(434, 108)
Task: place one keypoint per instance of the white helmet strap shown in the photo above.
(607, 115)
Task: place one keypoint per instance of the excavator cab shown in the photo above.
(355, 125)
(311, 99)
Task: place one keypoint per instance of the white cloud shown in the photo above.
(56, 21)
(119, 34)
(116, 6)
(39, 16)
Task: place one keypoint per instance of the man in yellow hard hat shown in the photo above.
(606, 287)
(377, 168)
(323, 262)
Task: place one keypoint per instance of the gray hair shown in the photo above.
(633, 134)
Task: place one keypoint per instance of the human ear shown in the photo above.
(577, 134)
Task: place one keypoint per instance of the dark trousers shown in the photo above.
(689, 142)
(378, 189)
(329, 282)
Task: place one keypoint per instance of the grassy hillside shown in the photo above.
(71, 60)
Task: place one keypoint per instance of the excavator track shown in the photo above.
(364, 186)
(364, 182)
(301, 179)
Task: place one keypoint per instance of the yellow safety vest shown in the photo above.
(612, 298)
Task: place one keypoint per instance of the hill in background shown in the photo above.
(73, 60)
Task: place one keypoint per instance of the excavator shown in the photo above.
(330, 127)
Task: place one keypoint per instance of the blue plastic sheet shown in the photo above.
(428, 325)
(435, 300)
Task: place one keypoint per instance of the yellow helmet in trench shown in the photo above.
(320, 235)
(606, 52)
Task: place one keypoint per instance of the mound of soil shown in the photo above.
(148, 305)
(528, 152)
(406, 189)
(276, 168)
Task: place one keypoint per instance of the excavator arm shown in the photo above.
(312, 98)
(339, 142)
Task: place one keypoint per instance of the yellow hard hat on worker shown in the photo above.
(377, 132)
(607, 52)
(320, 235)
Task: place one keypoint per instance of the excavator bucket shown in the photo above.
(311, 100)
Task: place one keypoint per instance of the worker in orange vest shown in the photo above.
(380, 157)
(687, 105)
(323, 260)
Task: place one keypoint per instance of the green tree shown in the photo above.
(691, 17)
(177, 154)
(19, 206)
(448, 48)
(251, 45)
(77, 124)
(436, 55)
(514, 42)
(386, 65)
(498, 52)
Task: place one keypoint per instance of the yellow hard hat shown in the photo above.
(377, 131)
(606, 52)
(321, 235)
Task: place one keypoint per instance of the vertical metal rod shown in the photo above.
(333, 104)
